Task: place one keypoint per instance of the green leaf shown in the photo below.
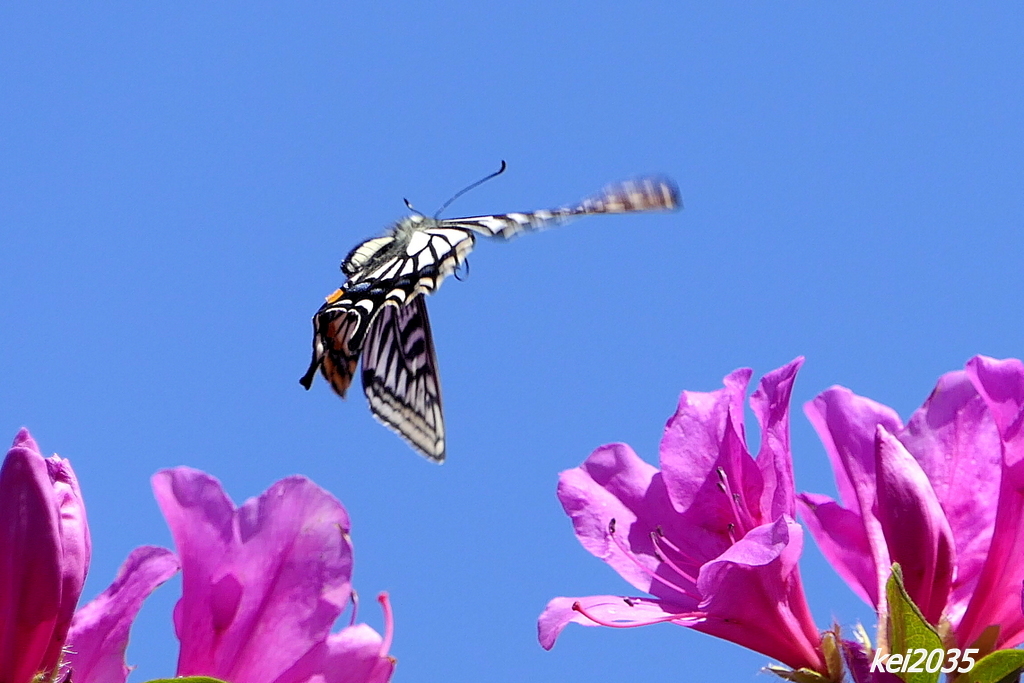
(187, 679)
(907, 627)
(998, 666)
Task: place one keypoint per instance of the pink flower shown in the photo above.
(263, 584)
(44, 557)
(711, 536)
(943, 496)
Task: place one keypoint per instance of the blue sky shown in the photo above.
(179, 182)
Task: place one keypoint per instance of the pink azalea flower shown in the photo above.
(263, 584)
(711, 536)
(44, 557)
(943, 496)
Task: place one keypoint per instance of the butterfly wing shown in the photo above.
(340, 330)
(384, 273)
(400, 377)
(647, 193)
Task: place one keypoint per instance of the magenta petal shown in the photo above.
(995, 600)
(1000, 382)
(840, 536)
(705, 433)
(357, 654)
(846, 424)
(99, 633)
(614, 483)
(261, 585)
(353, 655)
(954, 439)
(557, 615)
(76, 548)
(915, 527)
(771, 407)
(31, 571)
(755, 597)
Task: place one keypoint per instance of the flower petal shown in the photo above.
(755, 598)
(846, 425)
(1001, 385)
(916, 530)
(99, 633)
(357, 654)
(691, 448)
(695, 534)
(954, 439)
(352, 655)
(841, 538)
(771, 407)
(261, 586)
(31, 574)
(76, 548)
(614, 483)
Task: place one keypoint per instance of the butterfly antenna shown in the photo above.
(467, 189)
(409, 205)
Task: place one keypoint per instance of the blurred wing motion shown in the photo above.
(380, 313)
(649, 193)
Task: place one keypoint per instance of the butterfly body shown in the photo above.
(380, 314)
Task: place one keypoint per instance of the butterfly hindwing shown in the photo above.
(339, 329)
(400, 377)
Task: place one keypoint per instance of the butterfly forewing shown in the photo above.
(400, 377)
(647, 193)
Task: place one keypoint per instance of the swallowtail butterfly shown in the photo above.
(379, 313)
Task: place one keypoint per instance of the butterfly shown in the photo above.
(380, 315)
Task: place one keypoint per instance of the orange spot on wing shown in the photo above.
(335, 295)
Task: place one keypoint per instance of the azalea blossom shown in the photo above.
(942, 495)
(263, 584)
(44, 557)
(710, 536)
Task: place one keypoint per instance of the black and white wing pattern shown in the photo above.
(384, 272)
(400, 377)
(380, 315)
(648, 193)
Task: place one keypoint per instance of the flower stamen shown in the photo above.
(577, 607)
(740, 513)
(389, 622)
(663, 556)
(647, 570)
(354, 598)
